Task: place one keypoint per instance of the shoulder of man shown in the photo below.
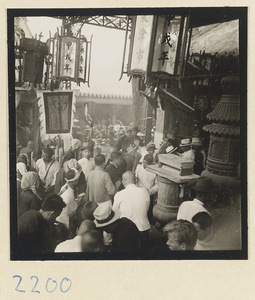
(55, 162)
(38, 161)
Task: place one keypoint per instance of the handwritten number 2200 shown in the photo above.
(69, 282)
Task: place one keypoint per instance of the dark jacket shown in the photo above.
(28, 200)
(125, 235)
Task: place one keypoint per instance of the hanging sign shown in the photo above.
(141, 44)
(58, 111)
(69, 58)
(166, 44)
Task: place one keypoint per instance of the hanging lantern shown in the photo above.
(169, 45)
(69, 58)
(158, 45)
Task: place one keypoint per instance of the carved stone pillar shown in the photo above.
(224, 149)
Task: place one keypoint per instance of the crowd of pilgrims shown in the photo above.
(91, 202)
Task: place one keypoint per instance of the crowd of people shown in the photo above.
(98, 203)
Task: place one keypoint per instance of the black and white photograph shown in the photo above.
(128, 133)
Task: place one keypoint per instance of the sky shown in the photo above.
(106, 55)
(107, 43)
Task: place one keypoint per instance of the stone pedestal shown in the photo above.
(172, 190)
(168, 201)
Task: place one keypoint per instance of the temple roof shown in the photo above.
(221, 38)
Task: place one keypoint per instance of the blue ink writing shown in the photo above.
(49, 279)
(68, 282)
(51, 285)
(33, 291)
(20, 279)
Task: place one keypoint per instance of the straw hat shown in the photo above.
(76, 144)
(104, 215)
(151, 145)
(185, 142)
(140, 134)
(86, 145)
(72, 164)
(196, 141)
(72, 175)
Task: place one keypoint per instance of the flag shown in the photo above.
(87, 116)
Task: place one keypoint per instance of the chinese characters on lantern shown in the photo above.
(82, 60)
(156, 45)
(166, 43)
(68, 57)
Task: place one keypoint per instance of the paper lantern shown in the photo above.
(158, 45)
(69, 58)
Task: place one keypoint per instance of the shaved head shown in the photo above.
(128, 178)
(92, 241)
(86, 226)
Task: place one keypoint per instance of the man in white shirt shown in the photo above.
(47, 167)
(87, 162)
(133, 203)
(68, 196)
(188, 209)
(145, 178)
(75, 244)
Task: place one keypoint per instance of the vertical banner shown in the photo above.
(166, 44)
(141, 44)
(58, 112)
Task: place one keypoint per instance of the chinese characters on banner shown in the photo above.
(58, 110)
(141, 44)
(82, 59)
(67, 57)
(166, 43)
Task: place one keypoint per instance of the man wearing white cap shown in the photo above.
(188, 152)
(68, 196)
(87, 162)
(81, 187)
(74, 149)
